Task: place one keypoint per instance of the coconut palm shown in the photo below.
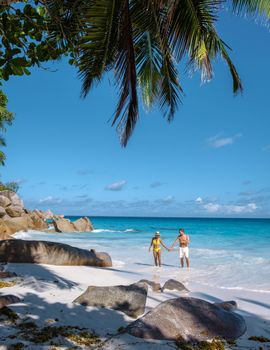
(142, 42)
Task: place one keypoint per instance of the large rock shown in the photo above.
(189, 319)
(7, 274)
(13, 197)
(230, 305)
(17, 224)
(4, 236)
(156, 287)
(2, 212)
(8, 299)
(14, 211)
(36, 222)
(129, 299)
(172, 284)
(5, 231)
(80, 225)
(4, 201)
(43, 252)
(83, 225)
(63, 225)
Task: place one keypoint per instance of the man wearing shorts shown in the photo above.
(183, 247)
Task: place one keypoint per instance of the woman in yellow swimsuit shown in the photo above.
(156, 242)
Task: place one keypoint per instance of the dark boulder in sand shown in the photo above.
(43, 252)
(174, 285)
(227, 305)
(8, 299)
(156, 287)
(7, 274)
(129, 299)
(189, 319)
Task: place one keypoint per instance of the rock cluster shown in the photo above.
(15, 217)
(190, 320)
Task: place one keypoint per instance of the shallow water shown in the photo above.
(225, 253)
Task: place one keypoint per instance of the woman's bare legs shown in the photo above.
(159, 258)
(155, 257)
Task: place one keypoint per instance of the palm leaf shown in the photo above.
(125, 67)
(252, 7)
(190, 23)
(97, 45)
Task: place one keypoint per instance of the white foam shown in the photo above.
(107, 230)
(118, 263)
(22, 235)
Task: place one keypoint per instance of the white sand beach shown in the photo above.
(48, 291)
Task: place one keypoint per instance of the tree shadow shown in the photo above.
(119, 270)
(207, 297)
(256, 302)
(40, 276)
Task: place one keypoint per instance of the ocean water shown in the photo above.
(224, 253)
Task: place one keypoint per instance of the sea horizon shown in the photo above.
(167, 217)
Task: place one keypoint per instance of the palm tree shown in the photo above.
(142, 42)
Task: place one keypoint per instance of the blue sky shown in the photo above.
(213, 160)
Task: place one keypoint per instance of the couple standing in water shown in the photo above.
(183, 240)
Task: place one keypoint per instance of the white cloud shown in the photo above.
(116, 186)
(218, 141)
(230, 209)
(199, 200)
(50, 200)
(237, 209)
(212, 207)
(168, 199)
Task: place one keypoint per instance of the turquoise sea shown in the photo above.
(224, 253)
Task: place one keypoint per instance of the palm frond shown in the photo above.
(2, 141)
(2, 158)
(149, 63)
(191, 21)
(126, 76)
(98, 43)
(252, 7)
(215, 45)
(169, 89)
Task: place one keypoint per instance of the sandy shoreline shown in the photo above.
(48, 291)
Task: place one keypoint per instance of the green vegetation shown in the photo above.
(7, 284)
(10, 186)
(141, 41)
(6, 118)
(216, 344)
(8, 313)
(48, 334)
(17, 346)
(84, 338)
